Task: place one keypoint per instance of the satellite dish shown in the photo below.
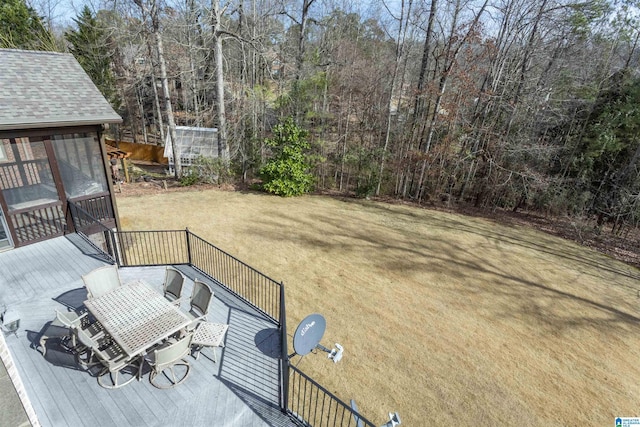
(308, 334)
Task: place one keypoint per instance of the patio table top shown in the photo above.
(137, 317)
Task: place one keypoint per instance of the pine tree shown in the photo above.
(89, 46)
(22, 28)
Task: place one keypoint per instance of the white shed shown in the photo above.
(192, 142)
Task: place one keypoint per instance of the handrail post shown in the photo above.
(115, 248)
(284, 358)
(187, 233)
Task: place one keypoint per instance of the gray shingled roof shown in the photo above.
(48, 89)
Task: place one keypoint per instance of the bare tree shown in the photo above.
(151, 10)
(216, 23)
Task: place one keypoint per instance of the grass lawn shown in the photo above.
(449, 320)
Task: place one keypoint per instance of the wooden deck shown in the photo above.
(240, 390)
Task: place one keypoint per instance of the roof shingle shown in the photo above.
(48, 89)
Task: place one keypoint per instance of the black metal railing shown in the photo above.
(302, 398)
(254, 287)
(284, 355)
(85, 225)
(182, 247)
(148, 248)
(96, 205)
(314, 405)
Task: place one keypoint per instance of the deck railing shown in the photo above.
(301, 397)
(176, 247)
(259, 290)
(148, 248)
(314, 405)
(85, 225)
(96, 205)
(37, 223)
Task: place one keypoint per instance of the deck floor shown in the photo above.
(240, 390)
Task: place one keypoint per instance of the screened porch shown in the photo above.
(40, 174)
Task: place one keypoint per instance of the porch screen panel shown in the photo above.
(25, 174)
(80, 163)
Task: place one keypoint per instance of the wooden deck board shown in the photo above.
(240, 390)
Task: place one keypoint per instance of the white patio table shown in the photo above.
(137, 316)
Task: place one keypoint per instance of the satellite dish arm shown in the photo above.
(334, 354)
(323, 348)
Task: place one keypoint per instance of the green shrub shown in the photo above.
(287, 172)
(189, 177)
(366, 189)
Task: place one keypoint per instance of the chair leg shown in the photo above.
(173, 381)
(44, 339)
(114, 378)
(89, 361)
(43, 342)
(196, 351)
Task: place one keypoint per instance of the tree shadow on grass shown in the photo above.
(565, 249)
(447, 257)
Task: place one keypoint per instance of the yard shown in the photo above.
(447, 319)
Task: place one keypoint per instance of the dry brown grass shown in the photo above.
(449, 320)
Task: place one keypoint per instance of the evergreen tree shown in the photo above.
(287, 173)
(89, 45)
(607, 158)
(22, 28)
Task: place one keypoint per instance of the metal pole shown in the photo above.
(187, 232)
(284, 358)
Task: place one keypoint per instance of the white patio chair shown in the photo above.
(166, 358)
(101, 281)
(173, 283)
(201, 297)
(86, 342)
(61, 328)
(116, 365)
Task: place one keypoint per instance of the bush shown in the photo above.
(206, 170)
(287, 173)
(212, 170)
(366, 189)
(189, 177)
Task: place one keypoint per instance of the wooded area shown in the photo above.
(514, 104)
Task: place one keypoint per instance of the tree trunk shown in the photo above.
(223, 152)
(450, 58)
(424, 64)
(402, 30)
(158, 112)
(306, 5)
(155, 25)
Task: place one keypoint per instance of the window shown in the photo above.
(28, 181)
(81, 165)
(26, 150)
